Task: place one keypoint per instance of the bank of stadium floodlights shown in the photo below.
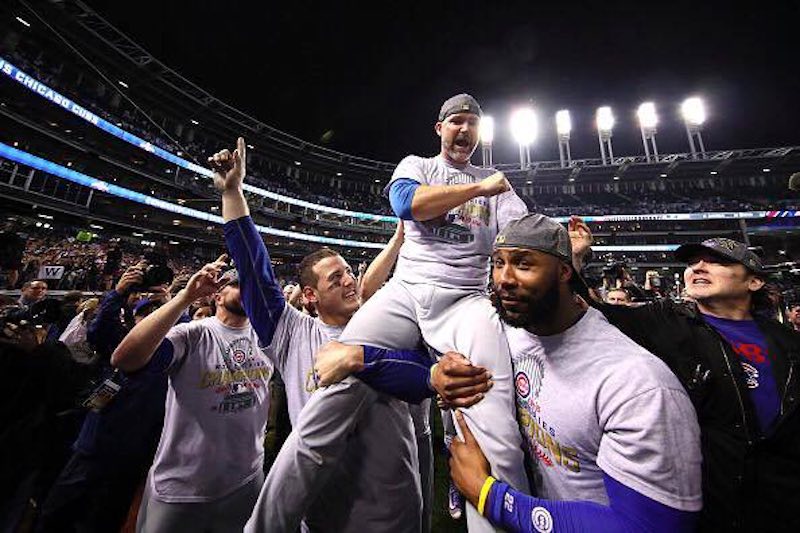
(525, 129)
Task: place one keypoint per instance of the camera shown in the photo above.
(156, 273)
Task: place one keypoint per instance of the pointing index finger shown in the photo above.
(467, 434)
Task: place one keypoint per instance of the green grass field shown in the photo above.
(441, 521)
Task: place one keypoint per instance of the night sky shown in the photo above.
(369, 81)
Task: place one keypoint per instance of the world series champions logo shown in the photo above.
(458, 224)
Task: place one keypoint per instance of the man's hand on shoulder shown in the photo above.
(335, 361)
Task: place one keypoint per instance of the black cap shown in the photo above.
(728, 248)
(460, 103)
(539, 232)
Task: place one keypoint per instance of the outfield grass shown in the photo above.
(441, 521)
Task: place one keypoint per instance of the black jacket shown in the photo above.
(751, 481)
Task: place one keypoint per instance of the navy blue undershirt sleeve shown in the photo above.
(401, 194)
(262, 297)
(161, 359)
(628, 510)
(106, 331)
(403, 374)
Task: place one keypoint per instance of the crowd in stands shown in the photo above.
(357, 196)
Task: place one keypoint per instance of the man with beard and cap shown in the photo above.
(615, 438)
(207, 471)
(452, 211)
(612, 431)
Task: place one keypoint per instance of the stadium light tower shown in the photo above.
(524, 128)
(563, 128)
(487, 137)
(648, 120)
(694, 115)
(605, 125)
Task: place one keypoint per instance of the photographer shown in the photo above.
(111, 455)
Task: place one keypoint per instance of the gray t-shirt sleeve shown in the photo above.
(278, 350)
(182, 337)
(651, 443)
(411, 167)
(509, 207)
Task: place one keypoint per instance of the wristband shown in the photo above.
(487, 486)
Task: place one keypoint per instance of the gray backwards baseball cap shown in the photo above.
(728, 248)
(541, 233)
(460, 103)
(229, 277)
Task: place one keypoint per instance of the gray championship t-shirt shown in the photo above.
(589, 401)
(453, 250)
(295, 343)
(216, 412)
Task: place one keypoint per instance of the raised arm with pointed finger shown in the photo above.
(262, 297)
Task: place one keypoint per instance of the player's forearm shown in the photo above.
(404, 374)
(234, 205)
(378, 271)
(431, 201)
(141, 342)
(628, 511)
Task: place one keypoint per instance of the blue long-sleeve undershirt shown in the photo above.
(628, 510)
(401, 194)
(403, 374)
(262, 297)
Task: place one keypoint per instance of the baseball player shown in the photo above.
(614, 433)
(452, 211)
(334, 480)
(207, 471)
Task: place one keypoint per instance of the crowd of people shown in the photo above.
(193, 143)
(566, 406)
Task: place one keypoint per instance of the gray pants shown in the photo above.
(463, 321)
(350, 465)
(421, 416)
(227, 514)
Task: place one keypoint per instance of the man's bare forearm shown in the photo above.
(378, 271)
(431, 201)
(234, 205)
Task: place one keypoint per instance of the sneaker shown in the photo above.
(455, 502)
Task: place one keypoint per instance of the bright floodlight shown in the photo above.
(523, 126)
(647, 115)
(605, 119)
(487, 130)
(693, 111)
(563, 123)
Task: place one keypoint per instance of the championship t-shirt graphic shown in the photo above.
(457, 225)
(236, 377)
